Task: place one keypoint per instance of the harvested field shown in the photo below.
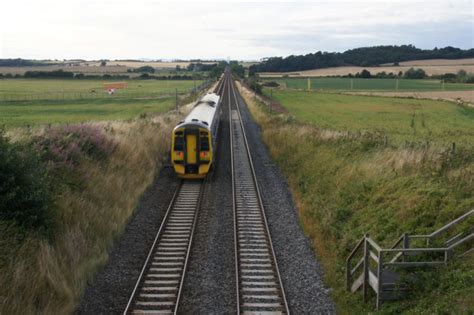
(96, 69)
(436, 62)
(137, 64)
(465, 96)
(430, 69)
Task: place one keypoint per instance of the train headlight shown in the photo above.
(204, 155)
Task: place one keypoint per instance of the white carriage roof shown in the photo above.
(203, 111)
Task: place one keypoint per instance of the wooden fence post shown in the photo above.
(366, 268)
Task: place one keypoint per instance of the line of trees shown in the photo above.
(60, 74)
(363, 57)
(18, 62)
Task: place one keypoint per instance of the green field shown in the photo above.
(346, 185)
(400, 119)
(34, 113)
(348, 84)
(52, 89)
(36, 102)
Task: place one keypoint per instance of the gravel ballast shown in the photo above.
(209, 286)
(302, 275)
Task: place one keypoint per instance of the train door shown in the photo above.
(191, 149)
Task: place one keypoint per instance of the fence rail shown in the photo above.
(370, 270)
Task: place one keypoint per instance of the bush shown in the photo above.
(415, 74)
(66, 146)
(365, 74)
(145, 69)
(25, 190)
(271, 84)
(255, 86)
(49, 74)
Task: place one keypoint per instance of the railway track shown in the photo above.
(259, 285)
(158, 289)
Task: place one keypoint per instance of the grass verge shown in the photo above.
(95, 197)
(346, 184)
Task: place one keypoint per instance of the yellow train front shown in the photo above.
(194, 139)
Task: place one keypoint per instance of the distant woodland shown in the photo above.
(363, 57)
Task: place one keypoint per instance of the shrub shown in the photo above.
(146, 69)
(271, 84)
(415, 74)
(66, 146)
(25, 190)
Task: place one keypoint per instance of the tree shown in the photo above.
(413, 73)
(462, 73)
(103, 63)
(145, 69)
(365, 74)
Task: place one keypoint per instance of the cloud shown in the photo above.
(239, 29)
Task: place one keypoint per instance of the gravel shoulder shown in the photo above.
(302, 275)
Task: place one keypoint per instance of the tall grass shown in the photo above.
(38, 275)
(347, 184)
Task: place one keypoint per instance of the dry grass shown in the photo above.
(137, 64)
(48, 277)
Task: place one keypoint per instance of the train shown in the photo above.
(194, 139)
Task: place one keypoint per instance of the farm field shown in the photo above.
(453, 96)
(35, 113)
(400, 119)
(346, 185)
(33, 89)
(431, 67)
(348, 84)
(36, 102)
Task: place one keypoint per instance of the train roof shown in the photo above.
(203, 112)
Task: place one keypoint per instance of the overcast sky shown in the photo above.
(245, 30)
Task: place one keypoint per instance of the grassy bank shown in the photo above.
(99, 171)
(348, 183)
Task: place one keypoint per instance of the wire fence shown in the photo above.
(351, 84)
(119, 94)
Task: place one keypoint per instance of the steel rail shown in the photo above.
(274, 265)
(171, 221)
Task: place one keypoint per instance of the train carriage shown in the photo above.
(194, 139)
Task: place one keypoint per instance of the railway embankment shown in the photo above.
(346, 185)
(96, 174)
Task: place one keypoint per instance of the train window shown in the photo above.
(204, 144)
(178, 144)
(178, 133)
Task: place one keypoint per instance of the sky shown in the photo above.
(242, 30)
